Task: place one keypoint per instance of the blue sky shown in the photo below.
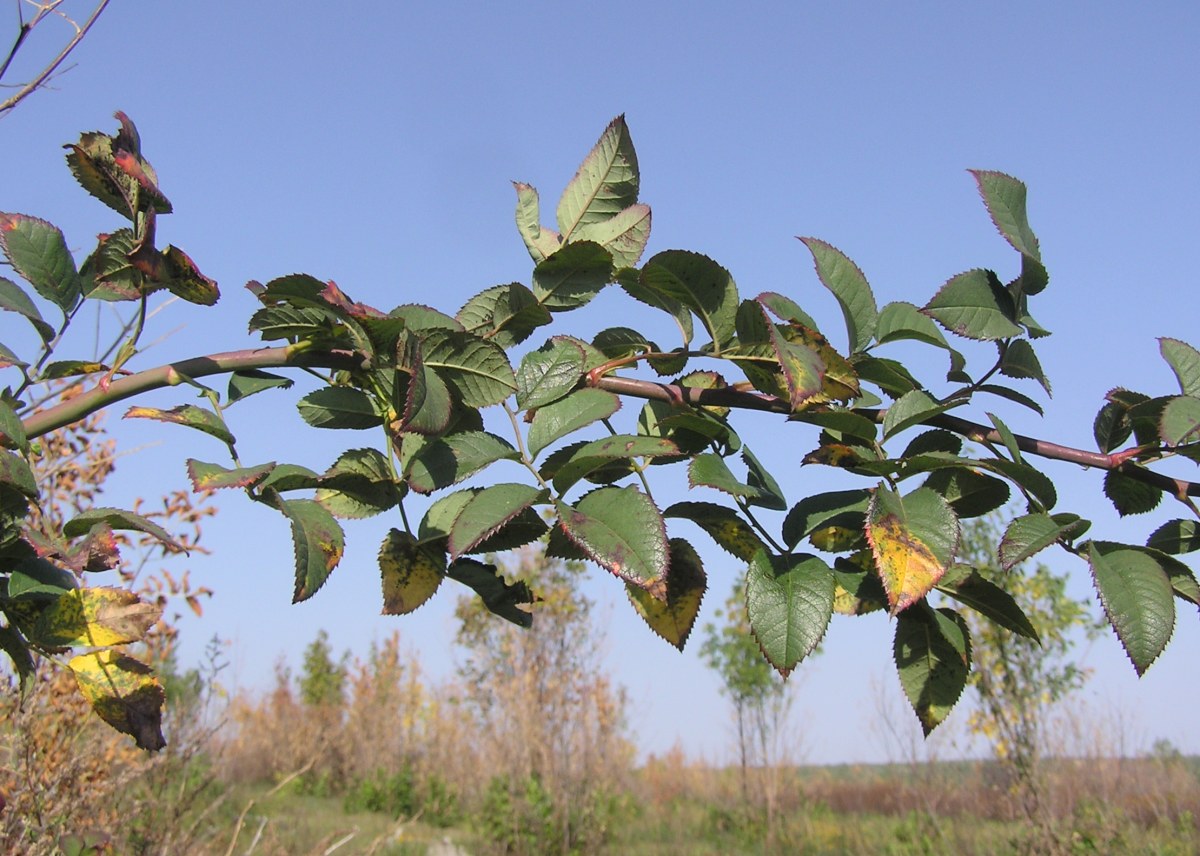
(375, 146)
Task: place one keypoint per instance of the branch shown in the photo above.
(673, 394)
(45, 73)
(174, 374)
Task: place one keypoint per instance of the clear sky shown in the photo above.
(374, 145)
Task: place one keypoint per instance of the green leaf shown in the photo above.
(318, 541)
(1028, 535)
(976, 306)
(1034, 481)
(487, 511)
(410, 572)
(910, 409)
(710, 470)
(674, 617)
(421, 319)
(786, 309)
(477, 369)
(621, 530)
(540, 242)
(289, 477)
(898, 321)
(701, 285)
(124, 693)
(599, 453)
(1176, 537)
(17, 648)
(970, 493)
(1180, 422)
(14, 299)
(188, 415)
(932, 649)
(577, 410)
(12, 430)
(572, 276)
(243, 384)
(842, 509)
(605, 184)
(770, 495)
(1004, 197)
(842, 276)
(1184, 360)
(451, 459)
(1129, 495)
(117, 518)
(549, 373)
(625, 235)
(789, 601)
(630, 281)
(359, 484)
(38, 579)
(731, 533)
(206, 477)
(1137, 599)
(339, 407)
(38, 252)
(419, 395)
(504, 314)
(1020, 361)
(510, 601)
(913, 539)
(992, 602)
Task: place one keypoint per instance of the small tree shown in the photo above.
(550, 724)
(761, 700)
(322, 680)
(1019, 677)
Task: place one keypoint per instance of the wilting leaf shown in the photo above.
(124, 693)
(674, 617)
(95, 617)
(214, 476)
(731, 532)
(411, 572)
(318, 541)
(189, 415)
(913, 539)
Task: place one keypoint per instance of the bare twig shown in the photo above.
(41, 77)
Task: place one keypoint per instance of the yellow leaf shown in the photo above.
(907, 566)
(95, 617)
(124, 693)
(410, 573)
